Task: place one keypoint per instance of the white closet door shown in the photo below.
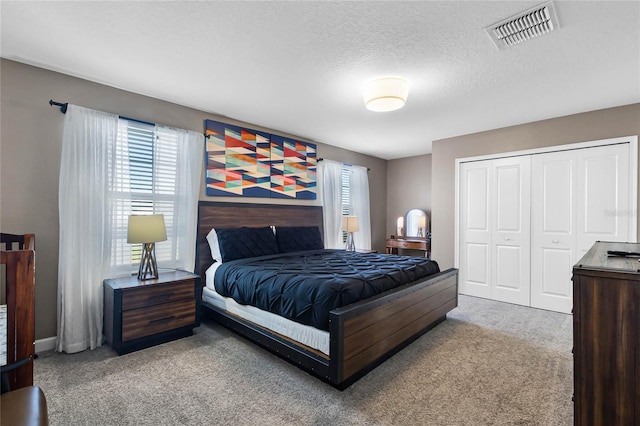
(475, 228)
(604, 208)
(511, 243)
(553, 228)
(578, 197)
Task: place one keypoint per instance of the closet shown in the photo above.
(525, 219)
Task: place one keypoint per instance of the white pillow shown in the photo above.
(212, 238)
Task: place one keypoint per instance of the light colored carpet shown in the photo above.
(490, 363)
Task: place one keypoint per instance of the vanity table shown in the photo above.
(393, 244)
(413, 233)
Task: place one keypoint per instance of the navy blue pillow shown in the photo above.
(298, 238)
(240, 243)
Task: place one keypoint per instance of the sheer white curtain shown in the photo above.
(88, 144)
(332, 203)
(189, 160)
(100, 186)
(359, 200)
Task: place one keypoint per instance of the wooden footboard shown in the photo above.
(364, 334)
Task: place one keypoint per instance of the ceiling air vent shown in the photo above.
(524, 26)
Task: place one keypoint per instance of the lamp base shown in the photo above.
(148, 269)
(351, 246)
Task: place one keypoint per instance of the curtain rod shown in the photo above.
(346, 164)
(63, 109)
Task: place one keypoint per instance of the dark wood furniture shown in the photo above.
(20, 300)
(10, 242)
(21, 403)
(606, 334)
(393, 244)
(139, 314)
(362, 335)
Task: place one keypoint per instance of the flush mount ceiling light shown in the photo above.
(524, 26)
(385, 94)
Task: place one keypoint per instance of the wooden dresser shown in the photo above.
(393, 244)
(606, 336)
(139, 314)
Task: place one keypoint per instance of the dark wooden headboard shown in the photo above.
(235, 215)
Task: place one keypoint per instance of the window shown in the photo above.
(144, 182)
(347, 207)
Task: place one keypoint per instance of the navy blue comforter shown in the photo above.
(305, 286)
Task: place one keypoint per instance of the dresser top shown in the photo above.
(598, 257)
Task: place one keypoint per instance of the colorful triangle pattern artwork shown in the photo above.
(242, 162)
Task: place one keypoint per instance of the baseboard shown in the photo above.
(47, 344)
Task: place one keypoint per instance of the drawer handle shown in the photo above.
(405, 244)
(162, 319)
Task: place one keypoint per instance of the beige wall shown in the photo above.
(408, 187)
(30, 149)
(589, 126)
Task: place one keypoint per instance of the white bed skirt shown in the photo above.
(307, 335)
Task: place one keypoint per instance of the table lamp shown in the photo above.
(400, 227)
(147, 230)
(422, 224)
(350, 225)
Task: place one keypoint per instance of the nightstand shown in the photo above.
(139, 314)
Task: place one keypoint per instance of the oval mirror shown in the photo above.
(416, 224)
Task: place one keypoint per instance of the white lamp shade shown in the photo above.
(350, 224)
(422, 221)
(385, 94)
(146, 229)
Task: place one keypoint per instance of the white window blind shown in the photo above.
(145, 168)
(347, 208)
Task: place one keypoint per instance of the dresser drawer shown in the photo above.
(141, 297)
(417, 245)
(156, 319)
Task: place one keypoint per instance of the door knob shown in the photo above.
(555, 241)
(507, 239)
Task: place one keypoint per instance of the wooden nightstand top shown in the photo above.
(163, 277)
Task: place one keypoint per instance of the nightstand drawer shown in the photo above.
(141, 297)
(156, 319)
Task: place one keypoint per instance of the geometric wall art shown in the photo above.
(242, 162)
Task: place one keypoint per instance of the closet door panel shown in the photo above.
(603, 190)
(555, 276)
(511, 233)
(524, 223)
(553, 228)
(475, 228)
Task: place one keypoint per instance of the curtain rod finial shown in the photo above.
(63, 107)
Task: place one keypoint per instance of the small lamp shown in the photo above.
(400, 227)
(147, 230)
(422, 224)
(350, 225)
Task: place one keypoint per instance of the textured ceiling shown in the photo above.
(298, 67)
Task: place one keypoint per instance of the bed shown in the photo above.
(360, 336)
